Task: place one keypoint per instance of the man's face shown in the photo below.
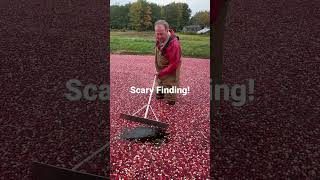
(161, 33)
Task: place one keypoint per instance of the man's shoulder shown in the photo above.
(174, 43)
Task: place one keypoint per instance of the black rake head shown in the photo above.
(144, 121)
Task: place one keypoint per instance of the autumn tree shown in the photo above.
(140, 15)
(147, 18)
(136, 15)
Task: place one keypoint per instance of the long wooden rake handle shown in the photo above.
(150, 96)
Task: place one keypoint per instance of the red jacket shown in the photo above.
(172, 53)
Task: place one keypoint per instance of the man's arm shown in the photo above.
(173, 55)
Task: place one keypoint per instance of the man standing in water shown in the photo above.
(167, 60)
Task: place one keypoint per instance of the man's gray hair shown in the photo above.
(162, 22)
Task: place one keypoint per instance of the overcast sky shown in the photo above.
(194, 5)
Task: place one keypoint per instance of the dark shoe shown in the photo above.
(171, 102)
(160, 97)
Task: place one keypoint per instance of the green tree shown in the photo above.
(201, 18)
(141, 15)
(119, 18)
(184, 13)
(170, 14)
(156, 12)
(176, 14)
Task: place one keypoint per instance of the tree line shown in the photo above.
(141, 16)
